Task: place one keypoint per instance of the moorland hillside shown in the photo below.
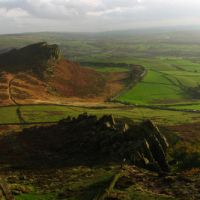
(39, 73)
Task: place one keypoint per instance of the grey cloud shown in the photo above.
(45, 9)
(92, 15)
(64, 9)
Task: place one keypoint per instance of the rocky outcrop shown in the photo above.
(88, 139)
(142, 144)
(153, 150)
(37, 58)
(39, 73)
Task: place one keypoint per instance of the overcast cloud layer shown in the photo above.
(95, 15)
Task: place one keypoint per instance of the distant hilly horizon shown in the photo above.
(146, 30)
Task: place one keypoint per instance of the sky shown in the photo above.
(95, 15)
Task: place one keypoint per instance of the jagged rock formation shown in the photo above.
(36, 58)
(153, 150)
(87, 139)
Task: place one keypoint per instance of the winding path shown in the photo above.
(12, 99)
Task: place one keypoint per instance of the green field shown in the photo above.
(8, 115)
(51, 113)
(153, 89)
(187, 107)
(166, 84)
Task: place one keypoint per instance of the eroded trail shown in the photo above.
(12, 99)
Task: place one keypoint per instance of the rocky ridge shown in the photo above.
(36, 58)
(87, 139)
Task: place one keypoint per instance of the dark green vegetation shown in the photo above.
(194, 92)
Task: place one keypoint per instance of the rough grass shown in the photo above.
(85, 183)
(75, 183)
(8, 115)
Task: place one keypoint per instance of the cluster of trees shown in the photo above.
(194, 92)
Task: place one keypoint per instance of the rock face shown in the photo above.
(143, 144)
(36, 58)
(155, 146)
(87, 139)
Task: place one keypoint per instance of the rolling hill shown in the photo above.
(39, 73)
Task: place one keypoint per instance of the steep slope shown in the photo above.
(39, 73)
(69, 79)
